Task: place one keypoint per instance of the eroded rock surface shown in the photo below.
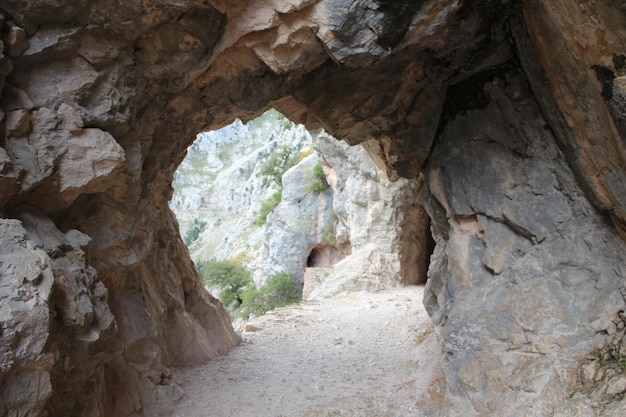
(381, 221)
(54, 311)
(302, 220)
(26, 285)
(519, 208)
(526, 281)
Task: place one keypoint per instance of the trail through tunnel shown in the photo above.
(101, 101)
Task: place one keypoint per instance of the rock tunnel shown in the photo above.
(510, 113)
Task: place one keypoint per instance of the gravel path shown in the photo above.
(353, 355)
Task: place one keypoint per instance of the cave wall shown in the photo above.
(526, 282)
(84, 97)
(574, 59)
(100, 100)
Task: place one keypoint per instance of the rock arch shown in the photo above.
(100, 100)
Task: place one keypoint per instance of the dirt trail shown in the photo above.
(353, 355)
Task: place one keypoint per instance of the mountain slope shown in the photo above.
(219, 187)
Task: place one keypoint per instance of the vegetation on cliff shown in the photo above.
(232, 282)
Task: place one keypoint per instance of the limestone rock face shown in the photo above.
(381, 220)
(564, 68)
(54, 278)
(220, 188)
(364, 226)
(117, 319)
(525, 272)
(512, 112)
(298, 223)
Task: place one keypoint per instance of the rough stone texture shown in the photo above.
(56, 288)
(191, 327)
(27, 278)
(527, 278)
(313, 277)
(522, 245)
(573, 65)
(367, 269)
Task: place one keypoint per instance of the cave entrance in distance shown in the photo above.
(231, 181)
(228, 186)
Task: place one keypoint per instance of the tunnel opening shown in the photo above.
(225, 192)
(238, 209)
(325, 255)
(428, 247)
(180, 66)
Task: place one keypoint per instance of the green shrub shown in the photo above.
(267, 207)
(278, 163)
(252, 304)
(285, 122)
(239, 294)
(319, 184)
(280, 290)
(231, 278)
(272, 171)
(193, 234)
(223, 156)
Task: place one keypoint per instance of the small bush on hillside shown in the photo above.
(280, 290)
(319, 184)
(285, 122)
(278, 163)
(193, 234)
(267, 207)
(252, 303)
(231, 278)
(239, 294)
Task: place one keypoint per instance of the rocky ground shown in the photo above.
(358, 354)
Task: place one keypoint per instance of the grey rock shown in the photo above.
(15, 42)
(523, 269)
(298, 223)
(373, 214)
(25, 297)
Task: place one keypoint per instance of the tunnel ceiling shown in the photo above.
(366, 71)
